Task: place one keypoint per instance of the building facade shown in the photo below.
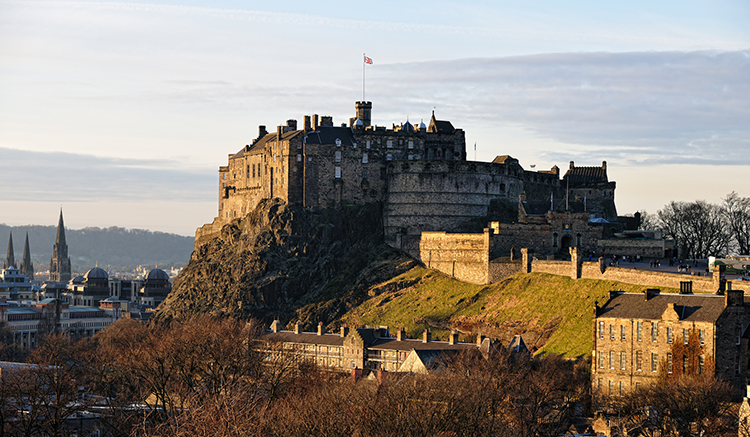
(639, 338)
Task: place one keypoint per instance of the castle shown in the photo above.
(421, 176)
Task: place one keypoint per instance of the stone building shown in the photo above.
(59, 266)
(89, 289)
(10, 259)
(154, 289)
(365, 348)
(640, 337)
(27, 267)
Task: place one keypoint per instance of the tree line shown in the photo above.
(701, 229)
(204, 377)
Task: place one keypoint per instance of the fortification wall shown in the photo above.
(644, 248)
(701, 284)
(462, 256)
(443, 195)
(562, 268)
(207, 232)
(500, 269)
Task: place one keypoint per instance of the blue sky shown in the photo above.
(122, 112)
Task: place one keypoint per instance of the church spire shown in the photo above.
(59, 266)
(27, 267)
(10, 259)
(60, 240)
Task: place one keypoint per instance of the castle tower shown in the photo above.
(27, 267)
(59, 266)
(10, 258)
(364, 112)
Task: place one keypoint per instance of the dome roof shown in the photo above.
(96, 273)
(407, 126)
(157, 274)
(77, 280)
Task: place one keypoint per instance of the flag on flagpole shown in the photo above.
(368, 60)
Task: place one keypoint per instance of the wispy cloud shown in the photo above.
(63, 177)
(651, 107)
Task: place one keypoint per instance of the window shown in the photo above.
(639, 360)
(623, 360)
(610, 387)
(654, 331)
(702, 336)
(367, 144)
(701, 363)
(611, 359)
(669, 363)
(337, 172)
(684, 364)
(365, 158)
(601, 330)
(654, 362)
(639, 330)
(611, 332)
(685, 335)
(337, 157)
(737, 364)
(299, 157)
(601, 359)
(669, 335)
(389, 157)
(622, 388)
(410, 157)
(389, 144)
(411, 144)
(622, 332)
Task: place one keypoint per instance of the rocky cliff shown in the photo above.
(282, 261)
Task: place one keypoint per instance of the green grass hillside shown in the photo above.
(552, 312)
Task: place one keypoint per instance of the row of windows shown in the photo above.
(623, 360)
(654, 333)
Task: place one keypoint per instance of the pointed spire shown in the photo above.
(60, 240)
(27, 267)
(10, 259)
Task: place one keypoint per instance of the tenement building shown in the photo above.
(641, 337)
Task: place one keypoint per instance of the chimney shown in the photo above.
(320, 328)
(276, 326)
(344, 331)
(604, 165)
(291, 124)
(262, 131)
(400, 334)
(296, 327)
(308, 126)
(572, 165)
(315, 122)
(650, 292)
(453, 337)
(279, 131)
(326, 120)
(733, 297)
(480, 339)
(426, 336)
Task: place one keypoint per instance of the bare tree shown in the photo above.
(699, 228)
(736, 210)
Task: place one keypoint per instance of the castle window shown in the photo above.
(365, 158)
(654, 331)
(638, 360)
(338, 156)
(367, 144)
(337, 172)
(502, 187)
(654, 362)
(639, 330)
(410, 157)
(411, 144)
(669, 335)
(601, 330)
(389, 144)
(554, 241)
(338, 142)
(299, 157)
(389, 157)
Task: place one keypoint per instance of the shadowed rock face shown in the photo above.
(280, 258)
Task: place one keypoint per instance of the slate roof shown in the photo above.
(440, 126)
(418, 345)
(328, 135)
(303, 337)
(586, 175)
(690, 307)
(504, 159)
(259, 145)
(535, 208)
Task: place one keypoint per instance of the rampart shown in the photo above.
(462, 256)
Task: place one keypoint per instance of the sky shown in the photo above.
(121, 112)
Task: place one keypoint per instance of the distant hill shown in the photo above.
(117, 248)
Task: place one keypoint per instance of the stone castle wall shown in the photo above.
(462, 256)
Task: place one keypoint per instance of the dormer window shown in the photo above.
(338, 142)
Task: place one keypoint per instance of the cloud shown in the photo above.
(69, 177)
(653, 107)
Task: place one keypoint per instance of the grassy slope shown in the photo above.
(537, 302)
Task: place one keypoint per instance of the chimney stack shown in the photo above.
(650, 292)
(320, 328)
(426, 336)
(453, 337)
(344, 331)
(297, 327)
(604, 165)
(315, 122)
(400, 334)
(291, 125)
(326, 120)
(308, 126)
(572, 165)
(279, 131)
(480, 339)
(276, 326)
(262, 131)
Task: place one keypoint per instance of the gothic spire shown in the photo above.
(10, 259)
(60, 240)
(27, 267)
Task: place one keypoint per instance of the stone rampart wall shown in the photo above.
(499, 270)
(207, 232)
(462, 256)
(562, 268)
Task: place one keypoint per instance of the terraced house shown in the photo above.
(640, 337)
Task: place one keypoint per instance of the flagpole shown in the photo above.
(363, 77)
